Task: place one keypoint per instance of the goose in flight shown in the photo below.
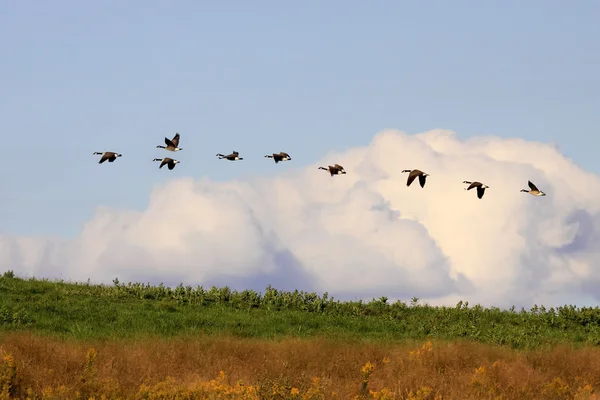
(480, 188)
(169, 162)
(336, 169)
(172, 145)
(534, 190)
(282, 156)
(234, 156)
(111, 156)
(413, 174)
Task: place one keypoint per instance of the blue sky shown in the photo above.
(264, 76)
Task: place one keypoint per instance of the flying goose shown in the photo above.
(111, 156)
(231, 157)
(168, 161)
(171, 144)
(334, 170)
(413, 174)
(534, 190)
(480, 187)
(279, 157)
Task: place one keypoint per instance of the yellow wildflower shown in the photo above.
(368, 368)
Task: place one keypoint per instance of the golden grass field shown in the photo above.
(209, 367)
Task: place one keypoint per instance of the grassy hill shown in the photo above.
(62, 340)
(86, 311)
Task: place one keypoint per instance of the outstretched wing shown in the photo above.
(171, 165)
(168, 142)
(175, 140)
(411, 177)
(532, 186)
(480, 191)
(162, 164)
(338, 166)
(422, 180)
(106, 156)
(475, 184)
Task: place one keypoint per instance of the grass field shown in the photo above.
(68, 340)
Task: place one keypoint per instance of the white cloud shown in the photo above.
(364, 234)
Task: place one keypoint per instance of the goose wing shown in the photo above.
(532, 186)
(475, 184)
(165, 160)
(175, 140)
(108, 155)
(422, 180)
(169, 143)
(411, 176)
(480, 191)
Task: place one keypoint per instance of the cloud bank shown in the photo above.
(360, 235)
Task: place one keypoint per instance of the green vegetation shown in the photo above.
(88, 311)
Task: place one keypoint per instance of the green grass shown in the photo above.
(87, 311)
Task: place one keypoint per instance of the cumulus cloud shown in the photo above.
(360, 235)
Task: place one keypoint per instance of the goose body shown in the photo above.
(169, 162)
(282, 156)
(234, 156)
(480, 188)
(413, 175)
(111, 156)
(533, 190)
(172, 144)
(336, 169)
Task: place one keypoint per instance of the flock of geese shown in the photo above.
(336, 169)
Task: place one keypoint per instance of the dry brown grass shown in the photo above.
(41, 367)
